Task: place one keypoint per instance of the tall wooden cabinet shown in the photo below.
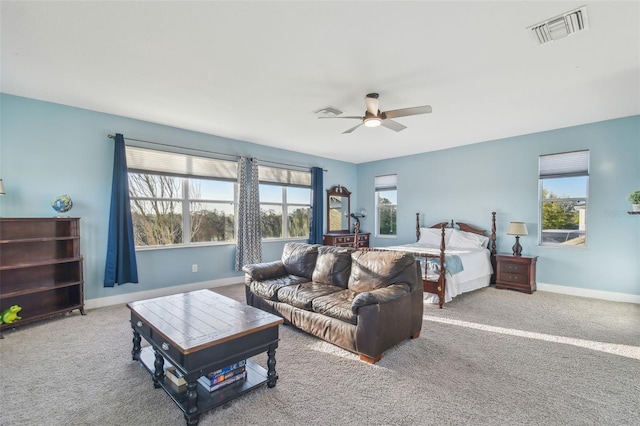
(40, 267)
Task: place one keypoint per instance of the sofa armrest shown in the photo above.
(265, 271)
(380, 295)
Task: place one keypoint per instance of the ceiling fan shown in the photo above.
(373, 117)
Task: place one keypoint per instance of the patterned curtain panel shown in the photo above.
(315, 230)
(121, 266)
(248, 237)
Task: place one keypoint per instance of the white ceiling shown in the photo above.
(257, 71)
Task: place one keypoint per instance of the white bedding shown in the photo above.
(476, 273)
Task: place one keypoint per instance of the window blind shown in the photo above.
(285, 177)
(386, 182)
(566, 164)
(144, 160)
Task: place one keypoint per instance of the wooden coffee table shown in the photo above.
(200, 332)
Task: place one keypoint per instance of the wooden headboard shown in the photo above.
(467, 228)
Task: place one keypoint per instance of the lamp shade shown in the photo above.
(517, 228)
(1, 188)
(360, 213)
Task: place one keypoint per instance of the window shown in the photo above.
(563, 189)
(285, 202)
(386, 205)
(172, 192)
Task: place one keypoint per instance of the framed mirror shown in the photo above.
(338, 209)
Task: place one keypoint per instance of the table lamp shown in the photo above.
(517, 229)
(357, 216)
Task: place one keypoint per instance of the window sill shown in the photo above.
(279, 240)
(184, 246)
(561, 246)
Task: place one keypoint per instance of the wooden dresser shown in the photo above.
(516, 272)
(345, 239)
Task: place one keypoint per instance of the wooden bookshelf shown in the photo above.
(40, 267)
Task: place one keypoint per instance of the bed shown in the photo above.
(456, 258)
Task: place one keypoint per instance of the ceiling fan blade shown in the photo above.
(404, 112)
(352, 116)
(373, 103)
(352, 129)
(393, 125)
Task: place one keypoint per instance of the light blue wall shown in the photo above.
(468, 183)
(49, 149)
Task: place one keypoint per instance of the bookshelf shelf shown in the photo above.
(40, 267)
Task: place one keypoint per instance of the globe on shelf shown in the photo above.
(62, 203)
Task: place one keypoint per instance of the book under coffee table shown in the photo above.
(200, 332)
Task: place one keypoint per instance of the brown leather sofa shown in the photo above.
(362, 301)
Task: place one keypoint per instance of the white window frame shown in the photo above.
(186, 168)
(284, 178)
(558, 166)
(385, 183)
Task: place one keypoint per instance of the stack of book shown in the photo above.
(224, 377)
(175, 379)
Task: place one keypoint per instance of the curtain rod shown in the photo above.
(211, 152)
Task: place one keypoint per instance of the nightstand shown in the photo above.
(516, 272)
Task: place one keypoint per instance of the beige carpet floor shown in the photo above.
(490, 357)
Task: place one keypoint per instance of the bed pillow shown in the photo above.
(484, 241)
(463, 239)
(433, 236)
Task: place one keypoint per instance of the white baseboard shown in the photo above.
(165, 291)
(593, 294)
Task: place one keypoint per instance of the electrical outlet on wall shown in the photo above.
(194, 267)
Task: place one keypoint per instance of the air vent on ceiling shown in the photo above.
(560, 26)
(328, 110)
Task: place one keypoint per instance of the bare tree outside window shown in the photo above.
(156, 209)
(180, 199)
(164, 206)
(212, 210)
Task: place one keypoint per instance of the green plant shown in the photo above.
(634, 197)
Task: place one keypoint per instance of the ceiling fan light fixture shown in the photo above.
(373, 117)
(372, 122)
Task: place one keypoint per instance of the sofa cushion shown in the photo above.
(376, 269)
(336, 305)
(381, 295)
(264, 271)
(301, 295)
(333, 266)
(268, 289)
(300, 259)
